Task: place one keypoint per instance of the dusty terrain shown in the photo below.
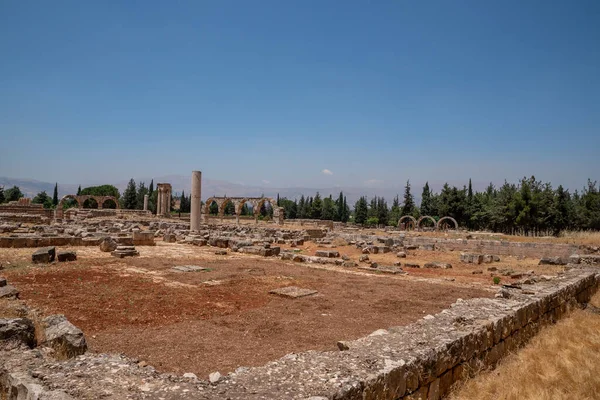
(225, 317)
(560, 363)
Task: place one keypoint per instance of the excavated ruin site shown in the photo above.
(128, 305)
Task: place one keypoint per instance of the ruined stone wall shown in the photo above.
(418, 361)
(421, 360)
(534, 250)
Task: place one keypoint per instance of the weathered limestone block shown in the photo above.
(143, 238)
(20, 330)
(125, 251)
(327, 253)
(169, 238)
(471, 258)
(64, 337)
(553, 261)
(64, 256)
(436, 264)
(44, 255)
(429, 247)
(218, 241)
(108, 244)
(8, 291)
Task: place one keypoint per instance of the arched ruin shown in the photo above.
(423, 218)
(439, 223)
(100, 200)
(436, 224)
(238, 203)
(410, 217)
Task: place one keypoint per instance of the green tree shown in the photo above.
(328, 211)
(361, 210)
(408, 207)
(43, 198)
(102, 190)
(2, 198)
(395, 212)
(130, 196)
(55, 195)
(13, 194)
(79, 190)
(229, 208)
(382, 211)
(427, 201)
(302, 208)
(316, 207)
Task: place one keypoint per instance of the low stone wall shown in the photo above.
(418, 361)
(65, 241)
(421, 360)
(498, 247)
(25, 218)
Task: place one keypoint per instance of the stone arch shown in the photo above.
(447, 219)
(410, 217)
(261, 201)
(209, 201)
(224, 203)
(424, 217)
(69, 196)
(240, 205)
(90, 202)
(103, 199)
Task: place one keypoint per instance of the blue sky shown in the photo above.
(276, 92)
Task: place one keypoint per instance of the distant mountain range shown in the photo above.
(210, 187)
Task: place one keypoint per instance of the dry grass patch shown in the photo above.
(562, 362)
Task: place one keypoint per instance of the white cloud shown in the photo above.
(266, 182)
(326, 172)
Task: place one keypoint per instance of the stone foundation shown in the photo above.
(421, 360)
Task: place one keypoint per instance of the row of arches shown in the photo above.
(442, 224)
(238, 203)
(88, 202)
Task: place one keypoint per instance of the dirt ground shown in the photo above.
(225, 317)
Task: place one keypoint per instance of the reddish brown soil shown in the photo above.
(177, 323)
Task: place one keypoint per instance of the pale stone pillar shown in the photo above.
(196, 206)
(145, 202)
(158, 202)
(279, 214)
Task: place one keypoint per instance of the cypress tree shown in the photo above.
(151, 187)
(426, 206)
(79, 191)
(409, 203)
(55, 196)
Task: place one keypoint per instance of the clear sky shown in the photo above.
(301, 93)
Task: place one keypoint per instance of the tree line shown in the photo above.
(526, 207)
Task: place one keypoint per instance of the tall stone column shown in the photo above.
(196, 206)
(145, 202)
(158, 202)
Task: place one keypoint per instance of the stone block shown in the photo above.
(436, 264)
(293, 292)
(553, 261)
(64, 256)
(108, 244)
(9, 292)
(19, 330)
(327, 253)
(44, 255)
(64, 337)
